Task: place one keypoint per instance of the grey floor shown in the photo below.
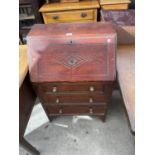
(81, 135)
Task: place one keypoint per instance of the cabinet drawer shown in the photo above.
(73, 98)
(115, 6)
(69, 16)
(91, 87)
(92, 110)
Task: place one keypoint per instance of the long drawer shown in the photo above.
(70, 16)
(69, 110)
(89, 87)
(73, 98)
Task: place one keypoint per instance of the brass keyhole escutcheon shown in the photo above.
(54, 89)
(91, 88)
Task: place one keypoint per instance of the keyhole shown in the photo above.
(72, 61)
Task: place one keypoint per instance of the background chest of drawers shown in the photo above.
(83, 11)
(72, 68)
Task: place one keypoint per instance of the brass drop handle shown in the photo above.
(90, 100)
(55, 17)
(57, 100)
(54, 89)
(90, 110)
(91, 88)
(83, 14)
(60, 111)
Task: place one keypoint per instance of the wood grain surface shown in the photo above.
(66, 58)
(126, 79)
(87, 4)
(114, 4)
(114, 1)
(23, 64)
(83, 15)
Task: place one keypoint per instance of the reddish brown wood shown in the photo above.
(77, 92)
(63, 110)
(68, 50)
(72, 66)
(71, 86)
(74, 98)
(77, 101)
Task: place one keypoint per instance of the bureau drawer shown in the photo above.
(92, 110)
(70, 16)
(52, 88)
(73, 98)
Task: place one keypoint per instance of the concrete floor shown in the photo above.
(81, 135)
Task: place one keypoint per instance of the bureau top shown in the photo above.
(64, 30)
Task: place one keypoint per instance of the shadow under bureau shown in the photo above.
(72, 67)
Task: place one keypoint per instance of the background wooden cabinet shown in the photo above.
(83, 11)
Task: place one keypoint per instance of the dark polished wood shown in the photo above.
(89, 98)
(28, 146)
(62, 110)
(27, 99)
(63, 50)
(71, 86)
(72, 68)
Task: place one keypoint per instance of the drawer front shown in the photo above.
(115, 7)
(73, 98)
(89, 87)
(68, 1)
(69, 16)
(92, 110)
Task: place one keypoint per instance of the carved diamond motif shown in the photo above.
(72, 61)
